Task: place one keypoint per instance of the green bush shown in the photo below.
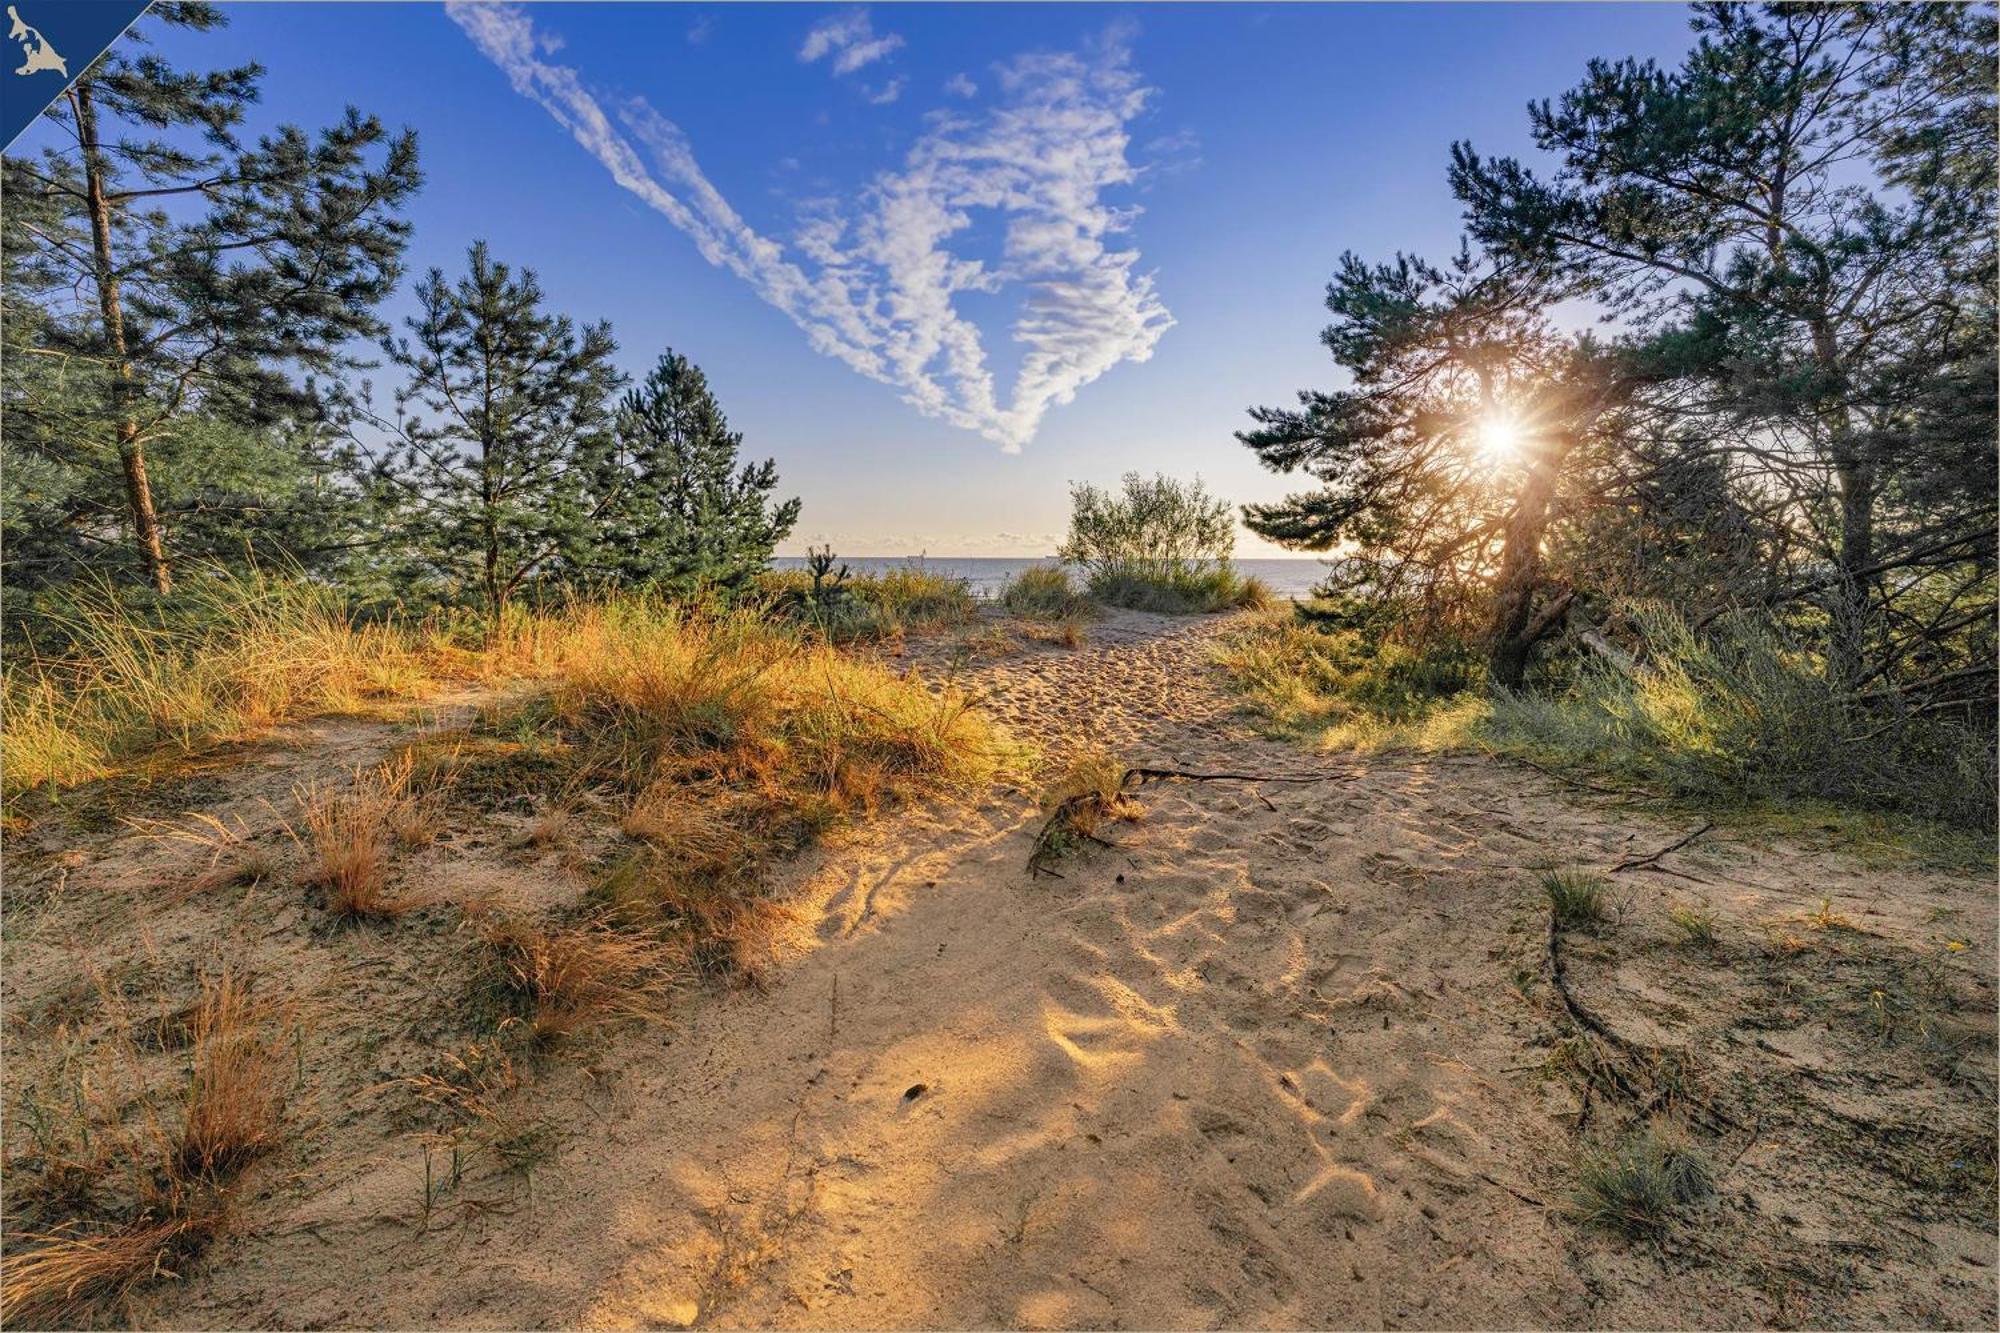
(1045, 592)
(1730, 715)
(1305, 678)
(1180, 590)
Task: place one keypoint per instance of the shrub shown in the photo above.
(1151, 526)
(1185, 590)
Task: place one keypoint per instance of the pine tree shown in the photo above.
(1728, 204)
(489, 486)
(182, 274)
(681, 515)
(1470, 429)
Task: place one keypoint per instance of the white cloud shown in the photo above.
(873, 284)
(700, 30)
(961, 85)
(886, 94)
(850, 39)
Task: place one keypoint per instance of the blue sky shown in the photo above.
(940, 260)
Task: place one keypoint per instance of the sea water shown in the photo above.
(987, 575)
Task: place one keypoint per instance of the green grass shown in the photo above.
(1046, 593)
(1638, 1186)
(1179, 589)
(1695, 924)
(1728, 722)
(861, 607)
(1576, 897)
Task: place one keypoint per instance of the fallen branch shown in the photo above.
(1653, 858)
(1147, 776)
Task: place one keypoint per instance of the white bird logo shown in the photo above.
(36, 53)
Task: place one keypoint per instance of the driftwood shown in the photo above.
(1614, 656)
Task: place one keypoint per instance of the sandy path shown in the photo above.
(1277, 1061)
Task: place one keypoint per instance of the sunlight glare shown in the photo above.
(1499, 439)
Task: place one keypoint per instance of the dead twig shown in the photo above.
(1652, 859)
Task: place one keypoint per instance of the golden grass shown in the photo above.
(134, 1198)
(55, 1279)
(353, 829)
(233, 1112)
(571, 979)
(691, 828)
(235, 657)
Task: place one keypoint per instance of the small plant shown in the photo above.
(1576, 897)
(1088, 792)
(233, 857)
(352, 832)
(1696, 925)
(1637, 1186)
(826, 583)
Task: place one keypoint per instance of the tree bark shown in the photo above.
(124, 388)
(1516, 626)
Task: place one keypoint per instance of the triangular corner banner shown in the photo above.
(50, 43)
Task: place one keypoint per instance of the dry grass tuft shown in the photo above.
(690, 828)
(105, 1192)
(719, 920)
(567, 980)
(56, 1279)
(234, 1110)
(353, 831)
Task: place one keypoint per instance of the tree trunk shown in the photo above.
(1854, 476)
(1516, 626)
(131, 453)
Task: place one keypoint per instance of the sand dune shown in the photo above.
(1280, 1058)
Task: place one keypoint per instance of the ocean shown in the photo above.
(987, 575)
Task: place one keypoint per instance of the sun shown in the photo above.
(1499, 438)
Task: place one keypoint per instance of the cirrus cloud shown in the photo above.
(874, 282)
(850, 39)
